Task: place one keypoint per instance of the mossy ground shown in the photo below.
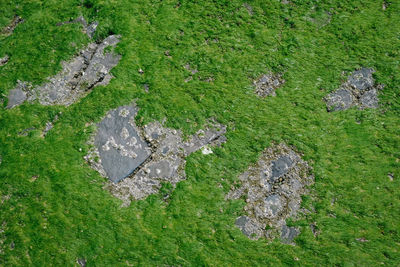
(53, 208)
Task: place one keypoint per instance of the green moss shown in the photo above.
(66, 214)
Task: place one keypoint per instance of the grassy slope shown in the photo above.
(65, 214)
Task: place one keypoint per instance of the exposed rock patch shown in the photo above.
(139, 159)
(4, 60)
(359, 90)
(272, 189)
(90, 68)
(19, 94)
(89, 29)
(267, 84)
(13, 24)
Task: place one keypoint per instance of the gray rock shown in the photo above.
(89, 69)
(13, 24)
(251, 228)
(369, 99)
(362, 79)
(288, 234)
(164, 162)
(280, 167)
(359, 90)
(340, 100)
(267, 84)
(273, 188)
(91, 29)
(4, 60)
(120, 147)
(18, 95)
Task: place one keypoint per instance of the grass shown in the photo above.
(53, 208)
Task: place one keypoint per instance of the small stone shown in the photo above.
(81, 262)
(362, 240)
(267, 84)
(4, 60)
(140, 71)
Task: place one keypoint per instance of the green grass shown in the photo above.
(65, 214)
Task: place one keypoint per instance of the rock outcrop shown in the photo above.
(139, 159)
(359, 90)
(272, 189)
(90, 68)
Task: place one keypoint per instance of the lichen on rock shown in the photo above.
(272, 189)
(139, 159)
(359, 90)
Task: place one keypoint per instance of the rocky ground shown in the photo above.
(272, 190)
(359, 90)
(138, 160)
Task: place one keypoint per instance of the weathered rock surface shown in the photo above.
(272, 189)
(4, 60)
(89, 29)
(359, 90)
(90, 68)
(121, 148)
(13, 24)
(138, 160)
(267, 84)
(18, 95)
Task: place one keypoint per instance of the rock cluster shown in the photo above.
(13, 24)
(359, 90)
(90, 68)
(267, 84)
(139, 159)
(272, 189)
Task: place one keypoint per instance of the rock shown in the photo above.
(369, 99)
(288, 234)
(18, 95)
(13, 24)
(91, 29)
(267, 84)
(88, 29)
(280, 167)
(89, 69)
(273, 188)
(139, 167)
(361, 79)
(340, 100)
(4, 60)
(81, 262)
(120, 147)
(359, 90)
(251, 228)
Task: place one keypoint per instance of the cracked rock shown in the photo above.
(140, 159)
(267, 84)
(89, 69)
(4, 60)
(272, 189)
(13, 24)
(359, 90)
